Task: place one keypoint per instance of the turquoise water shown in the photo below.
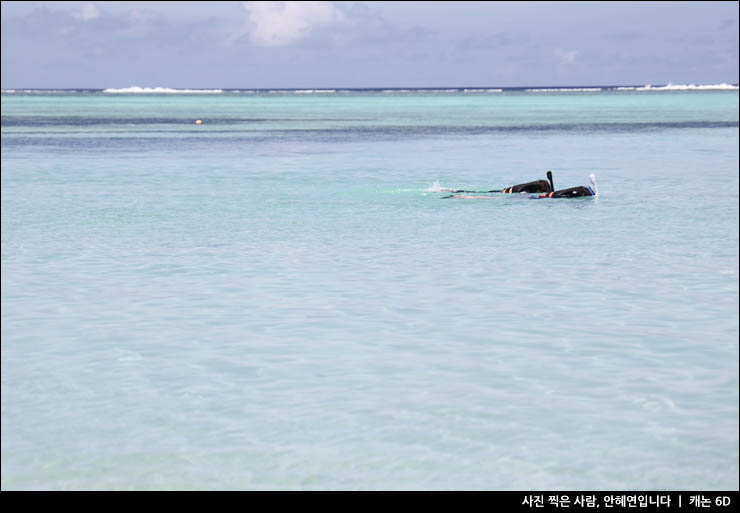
(280, 299)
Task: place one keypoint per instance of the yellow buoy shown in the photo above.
(198, 122)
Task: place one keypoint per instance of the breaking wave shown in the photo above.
(564, 90)
(680, 87)
(160, 90)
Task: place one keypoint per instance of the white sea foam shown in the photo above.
(563, 89)
(160, 90)
(681, 87)
(483, 90)
(37, 91)
(312, 91)
(437, 187)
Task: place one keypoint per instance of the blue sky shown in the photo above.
(366, 44)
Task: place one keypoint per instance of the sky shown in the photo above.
(366, 44)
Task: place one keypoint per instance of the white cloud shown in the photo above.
(283, 23)
(87, 13)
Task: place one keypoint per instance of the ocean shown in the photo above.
(281, 297)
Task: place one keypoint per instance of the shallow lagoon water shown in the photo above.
(280, 299)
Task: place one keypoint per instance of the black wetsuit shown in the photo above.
(573, 192)
(529, 187)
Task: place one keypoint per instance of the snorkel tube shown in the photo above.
(592, 178)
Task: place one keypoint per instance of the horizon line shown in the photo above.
(440, 87)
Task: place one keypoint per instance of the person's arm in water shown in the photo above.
(467, 196)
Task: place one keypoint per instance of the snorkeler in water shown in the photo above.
(529, 187)
(546, 188)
